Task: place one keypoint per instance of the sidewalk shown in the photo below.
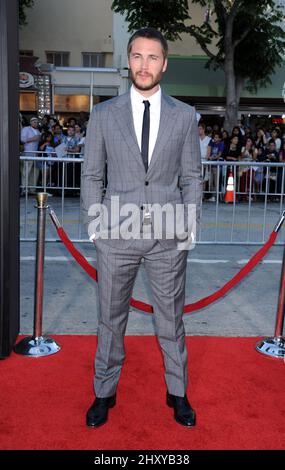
(71, 302)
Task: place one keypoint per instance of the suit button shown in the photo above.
(142, 208)
(146, 183)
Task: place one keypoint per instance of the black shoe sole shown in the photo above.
(94, 426)
(192, 425)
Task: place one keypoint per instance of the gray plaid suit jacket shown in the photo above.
(174, 172)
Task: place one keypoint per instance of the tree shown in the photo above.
(23, 4)
(248, 36)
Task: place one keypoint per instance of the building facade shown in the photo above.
(79, 50)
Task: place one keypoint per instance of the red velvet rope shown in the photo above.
(139, 305)
(76, 254)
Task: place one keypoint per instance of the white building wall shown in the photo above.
(89, 26)
(121, 37)
(69, 25)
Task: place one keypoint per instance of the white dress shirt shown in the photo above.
(204, 147)
(26, 134)
(154, 113)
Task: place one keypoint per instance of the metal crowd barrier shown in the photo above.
(258, 198)
(60, 178)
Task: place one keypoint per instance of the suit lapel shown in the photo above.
(166, 124)
(124, 117)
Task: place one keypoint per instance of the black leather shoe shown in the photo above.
(183, 412)
(97, 415)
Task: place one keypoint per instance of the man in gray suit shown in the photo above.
(151, 146)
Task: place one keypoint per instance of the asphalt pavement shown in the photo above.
(71, 300)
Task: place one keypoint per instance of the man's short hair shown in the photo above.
(149, 33)
(219, 134)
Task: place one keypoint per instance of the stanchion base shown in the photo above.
(273, 347)
(37, 347)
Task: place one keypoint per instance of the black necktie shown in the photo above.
(145, 134)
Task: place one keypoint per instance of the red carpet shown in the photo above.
(238, 395)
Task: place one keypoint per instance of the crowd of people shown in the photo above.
(242, 145)
(47, 137)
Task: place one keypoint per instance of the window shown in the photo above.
(59, 59)
(26, 53)
(93, 59)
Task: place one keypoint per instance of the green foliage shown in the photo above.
(257, 25)
(23, 4)
(258, 55)
(257, 39)
(165, 15)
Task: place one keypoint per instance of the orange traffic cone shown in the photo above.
(230, 190)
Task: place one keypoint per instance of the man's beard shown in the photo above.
(146, 87)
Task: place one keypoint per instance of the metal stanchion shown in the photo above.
(38, 345)
(275, 346)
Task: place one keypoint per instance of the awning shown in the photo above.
(84, 90)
